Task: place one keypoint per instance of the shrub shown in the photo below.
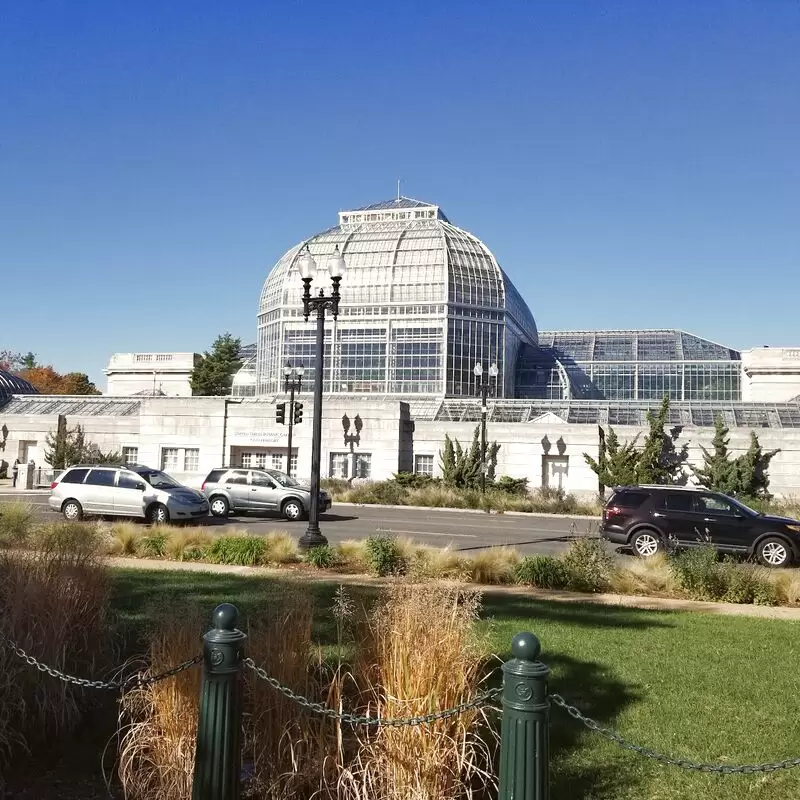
(378, 493)
(322, 556)
(384, 556)
(543, 572)
(336, 487)
(153, 544)
(245, 551)
(16, 519)
(413, 480)
(77, 539)
(588, 565)
(509, 485)
(700, 575)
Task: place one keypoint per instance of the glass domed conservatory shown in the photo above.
(12, 384)
(422, 302)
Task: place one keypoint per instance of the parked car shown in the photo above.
(236, 490)
(647, 517)
(126, 491)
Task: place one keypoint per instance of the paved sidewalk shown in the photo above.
(617, 600)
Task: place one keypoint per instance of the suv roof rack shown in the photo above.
(665, 486)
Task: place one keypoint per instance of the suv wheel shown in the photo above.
(72, 511)
(219, 507)
(293, 510)
(646, 544)
(774, 552)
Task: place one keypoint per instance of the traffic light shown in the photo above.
(280, 413)
(298, 413)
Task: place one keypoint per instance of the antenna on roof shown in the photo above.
(398, 189)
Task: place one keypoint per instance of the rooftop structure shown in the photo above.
(13, 384)
(422, 301)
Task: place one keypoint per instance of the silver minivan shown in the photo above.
(233, 490)
(131, 491)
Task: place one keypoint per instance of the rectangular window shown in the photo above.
(277, 461)
(338, 468)
(423, 465)
(169, 459)
(679, 502)
(247, 459)
(362, 466)
(294, 464)
(191, 459)
(130, 455)
(555, 470)
(101, 477)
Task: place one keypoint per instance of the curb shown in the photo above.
(532, 514)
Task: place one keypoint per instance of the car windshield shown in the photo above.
(283, 478)
(159, 480)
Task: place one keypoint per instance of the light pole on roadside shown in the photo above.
(318, 303)
(485, 385)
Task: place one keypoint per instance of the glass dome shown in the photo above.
(12, 384)
(422, 301)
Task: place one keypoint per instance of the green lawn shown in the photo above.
(704, 687)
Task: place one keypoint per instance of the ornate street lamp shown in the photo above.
(292, 381)
(319, 303)
(484, 386)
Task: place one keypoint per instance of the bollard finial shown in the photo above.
(526, 647)
(225, 617)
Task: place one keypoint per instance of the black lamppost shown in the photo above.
(292, 380)
(484, 386)
(318, 303)
(227, 402)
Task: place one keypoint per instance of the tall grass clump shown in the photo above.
(543, 572)
(493, 565)
(420, 651)
(153, 544)
(125, 536)
(246, 551)
(281, 548)
(16, 522)
(188, 544)
(158, 723)
(53, 604)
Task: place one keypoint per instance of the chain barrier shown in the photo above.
(683, 763)
(354, 719)
(131, 682)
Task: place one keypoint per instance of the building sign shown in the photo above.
(258, 437)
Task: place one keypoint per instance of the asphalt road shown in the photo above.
(460, 530)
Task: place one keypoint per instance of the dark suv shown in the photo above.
(646, 517)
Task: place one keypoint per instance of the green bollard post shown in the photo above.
(525, 733)
(217, 761)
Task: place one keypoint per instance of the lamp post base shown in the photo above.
(312, 537)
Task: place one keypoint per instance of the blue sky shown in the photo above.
(631, 164)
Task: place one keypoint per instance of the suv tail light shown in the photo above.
(613, 511)
(54, 484)
(203, 486)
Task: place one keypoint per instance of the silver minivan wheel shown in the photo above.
(159, 515)
(72, 510)
(293, 510)
(219, 507)
(646, 544)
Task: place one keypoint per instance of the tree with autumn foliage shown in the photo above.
(47, 381)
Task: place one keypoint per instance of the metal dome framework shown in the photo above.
(12, 384)
(422, 302)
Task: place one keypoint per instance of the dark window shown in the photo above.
(710, 504)
(74, 476)
(214, 476)
(262, 480)
(679, 502)
(130, 482)
(238, 476)
(628, 499)
(101, 477)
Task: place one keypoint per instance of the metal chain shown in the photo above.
(683, 763)
(354, 719)
(132, 681)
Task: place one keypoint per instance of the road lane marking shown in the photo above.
(429, 533)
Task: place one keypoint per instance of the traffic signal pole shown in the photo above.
(293, 377)
(291, 428)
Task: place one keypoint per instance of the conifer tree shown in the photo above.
(719, 472)
(214, 372)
